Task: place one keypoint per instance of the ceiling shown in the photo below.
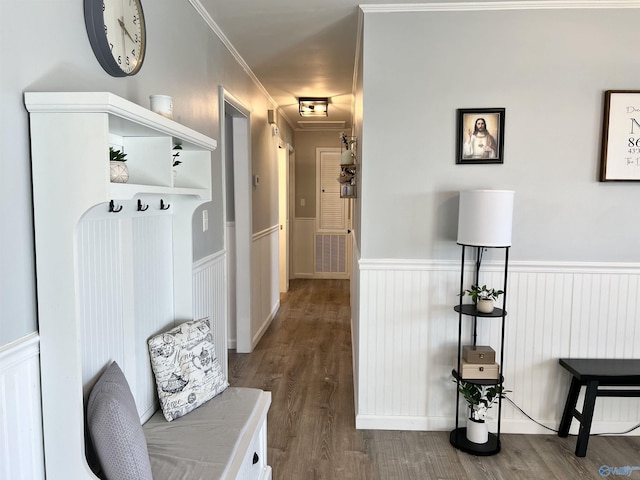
(297, 48)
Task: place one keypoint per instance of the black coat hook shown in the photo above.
(164, 206)
(112, 207)
(142, 208)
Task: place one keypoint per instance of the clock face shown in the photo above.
(117, 34)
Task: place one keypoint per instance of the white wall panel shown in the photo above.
(265, 280)
(408, 339)
(122, 257)
(21, 452)
(210, 300)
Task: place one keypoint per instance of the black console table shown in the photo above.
(595, 373)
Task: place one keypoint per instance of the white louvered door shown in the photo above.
(332, 218)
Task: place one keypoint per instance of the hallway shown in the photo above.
(304, 359)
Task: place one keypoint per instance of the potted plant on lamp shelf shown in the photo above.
(483, 297)
(480, 399)
(119, 173)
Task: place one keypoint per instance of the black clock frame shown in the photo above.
(94, 22)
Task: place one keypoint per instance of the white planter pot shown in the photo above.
(119, 172)
(485, 305)
(477, 431)
(346, 158)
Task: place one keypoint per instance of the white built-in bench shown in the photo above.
(114, 265)
(224, 438)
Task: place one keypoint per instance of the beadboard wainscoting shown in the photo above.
(354, 292)
(265, 278)
(406, 335)
(210, 300)
(21, 451)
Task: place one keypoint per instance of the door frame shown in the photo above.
(241, 281)
(282, 155)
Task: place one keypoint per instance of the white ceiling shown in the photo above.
(307, 48)
(297, 48)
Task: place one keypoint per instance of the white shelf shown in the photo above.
(127, 191)
(70, 138)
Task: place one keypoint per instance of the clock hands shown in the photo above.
(121, 22)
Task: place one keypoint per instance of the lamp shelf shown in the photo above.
(479, 381)
(458, 437)
(470, 309)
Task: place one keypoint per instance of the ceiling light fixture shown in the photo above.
(313, 106)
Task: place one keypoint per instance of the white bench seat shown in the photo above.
(225, 438)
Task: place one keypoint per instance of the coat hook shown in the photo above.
(112, 207)
(142, 208)
(164, 206)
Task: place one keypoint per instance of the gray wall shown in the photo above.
(549, 69)
(44, 47)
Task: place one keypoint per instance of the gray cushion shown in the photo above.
(114, 426)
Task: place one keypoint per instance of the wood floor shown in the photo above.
(304, 359)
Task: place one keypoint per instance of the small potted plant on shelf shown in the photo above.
(348, 155)
(119, 173)
(480, 399)
(483, 297)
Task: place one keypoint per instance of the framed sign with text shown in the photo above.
(620, 160)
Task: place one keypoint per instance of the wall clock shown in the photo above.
(117, 34)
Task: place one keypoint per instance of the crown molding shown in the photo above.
(498, 5)
(236, 55)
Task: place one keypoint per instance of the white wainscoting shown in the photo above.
(354, 290)
(265, 278)
(210, 300)
(407, 340)
(21, 451)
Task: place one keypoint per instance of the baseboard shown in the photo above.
(265, 325)
(404, 422)
(514, 426)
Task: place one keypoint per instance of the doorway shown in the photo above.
(283, 216)
(235, 132)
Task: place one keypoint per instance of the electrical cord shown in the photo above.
(556, 431)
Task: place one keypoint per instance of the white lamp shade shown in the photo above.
(485, 218)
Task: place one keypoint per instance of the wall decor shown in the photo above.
(620, 159)
(480, 135)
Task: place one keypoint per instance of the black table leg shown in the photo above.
(587, 415)
(569, 407)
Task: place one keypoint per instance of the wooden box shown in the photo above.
(478, 354)
(479, 371)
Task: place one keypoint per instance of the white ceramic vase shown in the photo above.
(484, 305)
(346, 157)
(119, 172)
(477, 431)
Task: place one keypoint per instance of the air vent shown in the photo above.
(331, 253)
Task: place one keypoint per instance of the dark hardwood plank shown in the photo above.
(304, 359)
